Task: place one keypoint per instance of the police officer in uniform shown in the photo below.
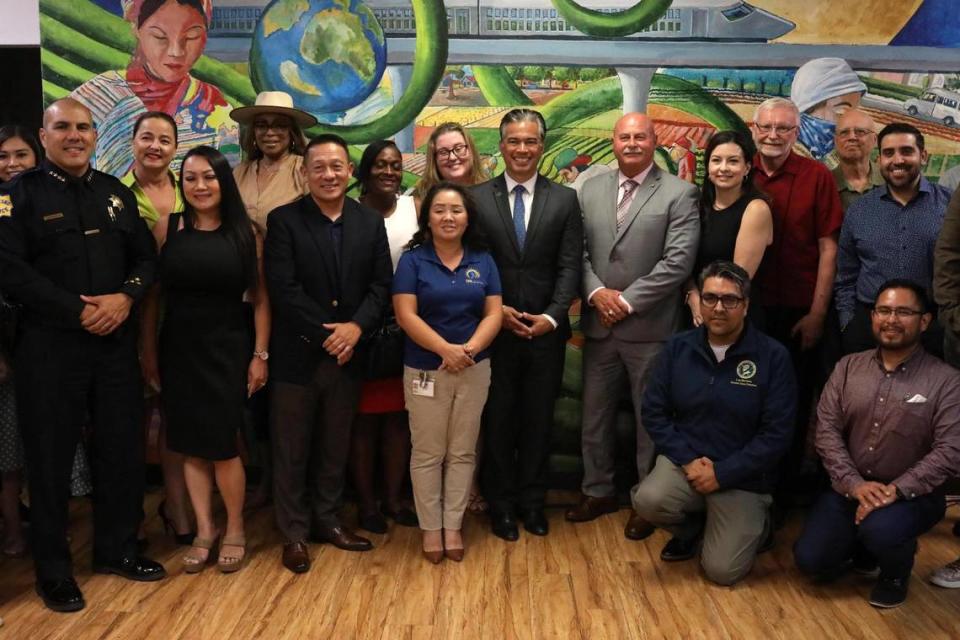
(75, 253)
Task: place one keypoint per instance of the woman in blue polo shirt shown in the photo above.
(447, 298)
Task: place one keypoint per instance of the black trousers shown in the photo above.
(889, 534)
(778, 323)
(310, 439)
(858, 334)
(518, 418)
(62, 378)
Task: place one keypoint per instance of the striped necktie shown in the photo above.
(629, 186)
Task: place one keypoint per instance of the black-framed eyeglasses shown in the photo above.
(900, 312)
(459, 150)
(728, 300)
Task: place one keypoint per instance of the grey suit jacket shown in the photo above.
(648, 259)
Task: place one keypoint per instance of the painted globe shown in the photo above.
(328, 54)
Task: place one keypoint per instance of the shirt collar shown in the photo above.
(873, 174)
(745, 343)
(923, 187)
(469, 257)
(639, 178)
(130, 179)
(65, 178)
(528, 185)
(913, 359)
(791, 165)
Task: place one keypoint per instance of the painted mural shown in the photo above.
(371, 69)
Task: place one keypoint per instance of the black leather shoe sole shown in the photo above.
(130, 575)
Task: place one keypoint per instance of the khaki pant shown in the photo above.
(444, 431)
(736, 520)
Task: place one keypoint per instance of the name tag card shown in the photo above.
(422, 385)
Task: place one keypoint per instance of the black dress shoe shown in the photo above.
(133, 568)
(61, 595)
(535, 521)
(373, 522)
(889, 593)
(637, 528)
(296, 558)
(403, 516)
(503, 525)
(677, 550)
(342, 538)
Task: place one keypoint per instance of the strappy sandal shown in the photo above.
(195, 564)
(231, 563)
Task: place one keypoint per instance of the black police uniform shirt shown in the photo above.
(63, 236)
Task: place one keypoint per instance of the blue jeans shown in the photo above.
(830, 536)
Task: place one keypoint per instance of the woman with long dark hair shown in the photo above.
(735, 219)
(381, 421)
(447, 298)
(210, 261)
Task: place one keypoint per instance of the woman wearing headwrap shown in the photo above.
(171, 36)
(823, 89)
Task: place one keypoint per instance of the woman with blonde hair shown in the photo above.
(452, 157)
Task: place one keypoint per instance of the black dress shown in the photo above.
(718, 238)
(205, 342)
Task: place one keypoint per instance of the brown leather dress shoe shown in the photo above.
(342, 538)
(637, 528)
(296, 557)
(591, 508)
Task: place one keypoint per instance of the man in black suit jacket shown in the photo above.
(536, 235)
(328, 269)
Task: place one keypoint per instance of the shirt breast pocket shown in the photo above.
(60, 235)
(912, 433)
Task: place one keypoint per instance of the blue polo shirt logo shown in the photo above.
(746, 370)
(473, 276)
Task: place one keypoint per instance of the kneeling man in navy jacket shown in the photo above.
(720, 408)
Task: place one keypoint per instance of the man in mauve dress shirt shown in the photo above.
(889, 435)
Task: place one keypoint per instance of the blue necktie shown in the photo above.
(519, 213)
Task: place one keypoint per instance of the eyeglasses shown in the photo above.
(729, 301)
(266, 126)
(459, 151)
(781, 130)
(900, 312)
(856, 132)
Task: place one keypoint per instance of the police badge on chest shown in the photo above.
(114, 207)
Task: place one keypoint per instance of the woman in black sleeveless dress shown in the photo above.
(209, 362)
(735, 219)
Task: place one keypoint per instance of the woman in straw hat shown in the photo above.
(273, 144)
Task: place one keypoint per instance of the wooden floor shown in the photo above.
(581, 581)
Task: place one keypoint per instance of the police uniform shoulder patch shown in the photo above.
(6, 206)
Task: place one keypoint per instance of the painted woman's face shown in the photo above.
(171, 40)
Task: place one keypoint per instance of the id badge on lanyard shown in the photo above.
(423, 385)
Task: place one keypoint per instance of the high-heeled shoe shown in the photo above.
(229, 564)
(193, 564)
(182, 539)
(434, 556)
(455, 554)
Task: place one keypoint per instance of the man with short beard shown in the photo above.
(889, 233)
(888, 433)
(720, 407)
(855, 139)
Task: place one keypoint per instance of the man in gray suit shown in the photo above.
(641, 228)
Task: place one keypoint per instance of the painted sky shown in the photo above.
(935, 24)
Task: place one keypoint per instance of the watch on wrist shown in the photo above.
(263, 354)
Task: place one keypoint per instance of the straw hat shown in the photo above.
(273, 102)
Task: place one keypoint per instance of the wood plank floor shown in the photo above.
(581, 581)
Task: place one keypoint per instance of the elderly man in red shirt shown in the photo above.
(795, 279)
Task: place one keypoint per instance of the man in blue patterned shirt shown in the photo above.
(889, 233)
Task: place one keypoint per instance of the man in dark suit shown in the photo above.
(328, 270)
(536, 236)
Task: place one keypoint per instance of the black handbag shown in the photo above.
(383, 351)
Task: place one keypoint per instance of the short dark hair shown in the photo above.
(900, 127)
(473, 237)
(923, 299)
(369, 157)
(159, 115)
(327, 138)
(727, 271)
(10, 131)
(522, 114)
